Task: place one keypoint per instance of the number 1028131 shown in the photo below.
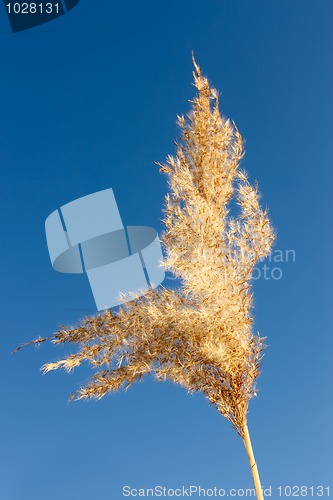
(33, 8)
(303, 491)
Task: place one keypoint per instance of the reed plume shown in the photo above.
(200, 335)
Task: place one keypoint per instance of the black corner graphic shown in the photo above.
(26, 15)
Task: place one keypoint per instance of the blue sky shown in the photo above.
(89, 101)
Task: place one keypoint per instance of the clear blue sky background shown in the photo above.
(88, 102)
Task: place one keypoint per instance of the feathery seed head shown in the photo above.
(199, 336)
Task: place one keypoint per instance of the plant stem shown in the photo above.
(253, 464)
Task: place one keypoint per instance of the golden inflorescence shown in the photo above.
(200, 335)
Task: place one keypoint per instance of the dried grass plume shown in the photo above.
(200, 335)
